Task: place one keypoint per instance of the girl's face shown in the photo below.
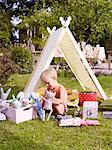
(50, 83)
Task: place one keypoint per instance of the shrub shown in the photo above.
(22, 57)
(7, 66)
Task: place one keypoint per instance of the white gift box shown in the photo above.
(90, 109)
(20, 115)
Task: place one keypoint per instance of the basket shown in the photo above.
(20, 115)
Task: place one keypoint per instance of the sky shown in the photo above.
(15, 20)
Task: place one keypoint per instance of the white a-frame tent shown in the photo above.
(63, 39)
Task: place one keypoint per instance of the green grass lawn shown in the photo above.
(37, 135)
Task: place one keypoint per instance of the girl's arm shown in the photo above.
(62, 99)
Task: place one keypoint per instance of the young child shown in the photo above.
(49, 77)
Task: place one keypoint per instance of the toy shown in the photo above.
(20, 96)
(3, 101)
(19, 101)
(77, 122)
(70, 122)
(26, 102)
(4, 95)
(16, 103)
(2, 115)
(90, 122)
(37, 104)
(61, 117)
(48, 103)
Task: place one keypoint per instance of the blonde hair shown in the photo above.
(50, 72)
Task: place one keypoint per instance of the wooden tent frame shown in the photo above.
(64, 40)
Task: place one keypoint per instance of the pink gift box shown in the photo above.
(20, 115)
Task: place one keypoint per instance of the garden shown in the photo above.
(23, 35)
(35, 134)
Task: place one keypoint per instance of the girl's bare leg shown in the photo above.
(59, 109)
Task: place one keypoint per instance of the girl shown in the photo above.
(49, 77)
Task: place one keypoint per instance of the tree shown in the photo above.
(8, 9)
(5, 29)
(90, 19)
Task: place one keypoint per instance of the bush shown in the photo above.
(7, 66)
(22, 57)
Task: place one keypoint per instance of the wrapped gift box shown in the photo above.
(87, 96)
(20, 115)
(90, 109)
(107, 114)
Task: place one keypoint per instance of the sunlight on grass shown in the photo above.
(37, 135)
(18, 82)
(106, 82)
